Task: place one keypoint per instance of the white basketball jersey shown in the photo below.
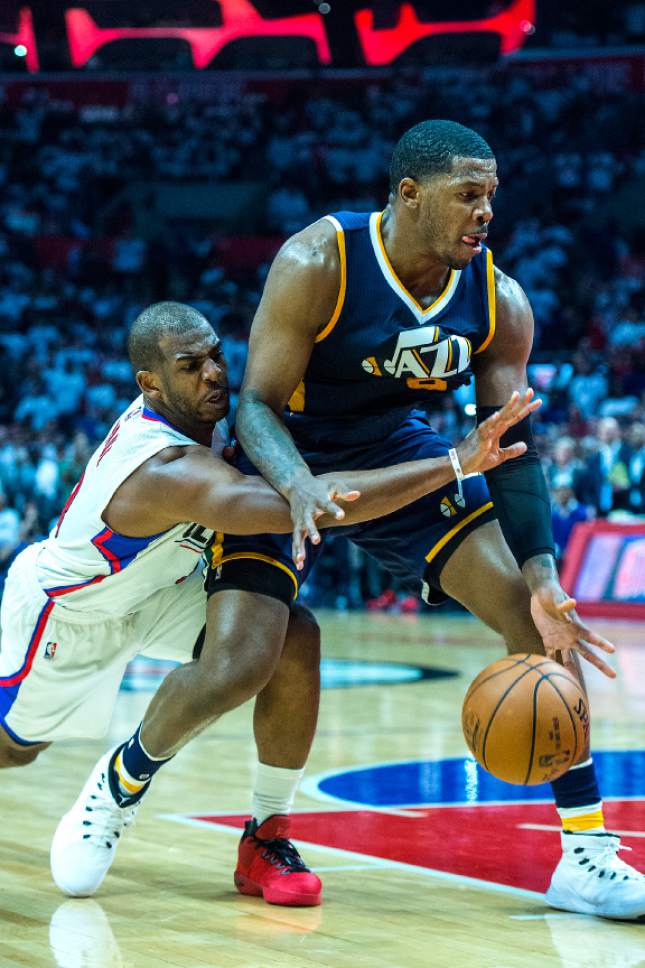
(85, 566)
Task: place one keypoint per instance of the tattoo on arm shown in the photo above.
(540, 570)
(268, 443)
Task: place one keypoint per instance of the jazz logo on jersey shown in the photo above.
(424, 358)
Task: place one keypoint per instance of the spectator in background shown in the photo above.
(588, 385)
(74, 274)
(565, 468)
(566, 512)
(11, 543)
(608, 467)
(636, 440)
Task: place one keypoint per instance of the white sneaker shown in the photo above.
(591, 879)
(86, 838)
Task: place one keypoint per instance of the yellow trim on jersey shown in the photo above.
(379, 236)
(270, 561)
(453, 531)
(296, 402)
(324, 333)
(417, 357)
(490, 286)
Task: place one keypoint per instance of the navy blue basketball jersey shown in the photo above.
(382, 353)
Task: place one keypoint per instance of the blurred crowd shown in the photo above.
(80, 256)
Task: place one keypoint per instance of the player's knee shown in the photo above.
(302, 644)
(233, 676)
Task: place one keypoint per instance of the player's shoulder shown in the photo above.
(315, 246)
(179, 455)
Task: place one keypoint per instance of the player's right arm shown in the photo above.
(298, 301)
(194, 484)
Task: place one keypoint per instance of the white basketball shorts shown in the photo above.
(60, 672)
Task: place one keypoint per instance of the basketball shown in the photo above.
(525, 719)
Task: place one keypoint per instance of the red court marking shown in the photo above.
(482, 841)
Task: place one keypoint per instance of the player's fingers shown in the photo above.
(513, 450)
(568, 605)
(330, 507)
(311, 530)
(595, 660)
(348, 496)
(592, 638)
(488, 427)
(521, 409)
(298, 548)
(528, 409)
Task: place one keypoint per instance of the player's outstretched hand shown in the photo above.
(309, 500)
(481, 449)
(562, 631)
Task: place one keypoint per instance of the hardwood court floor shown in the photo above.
(169, 900)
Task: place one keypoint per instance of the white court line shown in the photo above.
(551, 915)
(345, 867)
(558, 829)
(376, 862)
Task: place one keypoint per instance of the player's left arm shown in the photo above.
(519, 488)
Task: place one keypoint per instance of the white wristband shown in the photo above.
(456, 466)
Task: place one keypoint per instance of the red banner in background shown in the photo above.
(24, 37)
(604, 569)
(384, 46)
(240, 19)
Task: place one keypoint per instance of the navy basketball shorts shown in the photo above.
(413, 543)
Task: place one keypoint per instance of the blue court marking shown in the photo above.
(145, 674)
(345, 673)
(620, 774)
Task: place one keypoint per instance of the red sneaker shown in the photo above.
(269, 866)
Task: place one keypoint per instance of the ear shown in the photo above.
(409, 192)
(148, 383)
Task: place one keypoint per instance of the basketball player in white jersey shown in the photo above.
(121, 573)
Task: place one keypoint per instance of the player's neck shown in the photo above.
(421, 273)
(202, 433)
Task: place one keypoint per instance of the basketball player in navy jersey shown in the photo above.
(363, 318)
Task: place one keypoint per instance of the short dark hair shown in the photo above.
(429, 148)
(150, 327)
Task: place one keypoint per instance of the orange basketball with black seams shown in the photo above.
(525, 719)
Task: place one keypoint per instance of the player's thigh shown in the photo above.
(59, 680)
(170, 623)
(483, 576)
(415, 542)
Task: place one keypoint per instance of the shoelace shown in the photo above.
(607, 860)
(107, 820)
(282, 854)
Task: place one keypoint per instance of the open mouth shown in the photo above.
(217, 398)
(474, 242)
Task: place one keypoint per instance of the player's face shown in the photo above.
(195, 381)
(455, 209)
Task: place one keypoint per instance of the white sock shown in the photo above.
(274, 791)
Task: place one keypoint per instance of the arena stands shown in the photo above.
(131, 192)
